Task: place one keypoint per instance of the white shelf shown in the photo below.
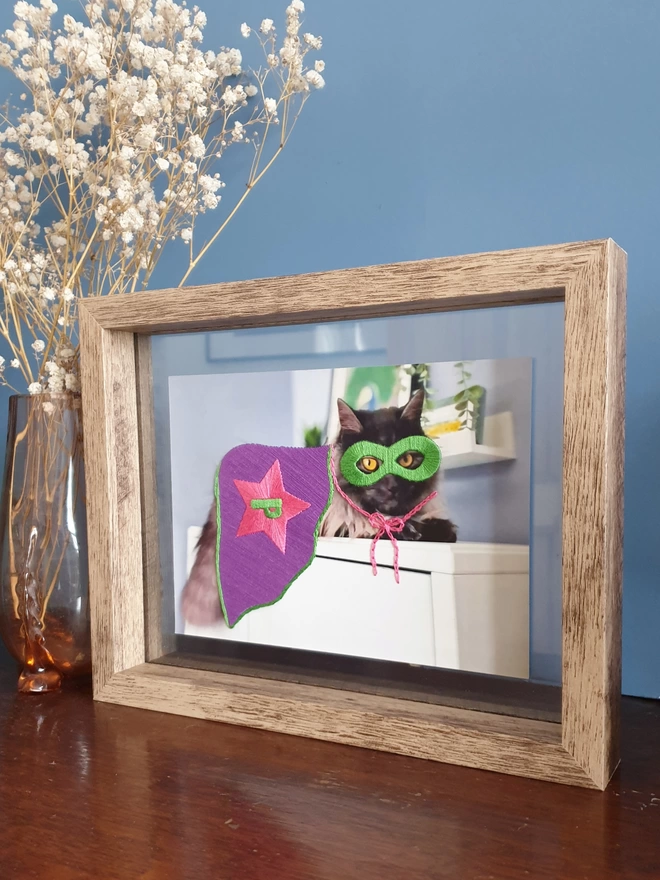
(460, 449)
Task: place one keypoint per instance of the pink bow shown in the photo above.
(382, 524)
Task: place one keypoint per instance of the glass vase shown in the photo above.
(44, 600)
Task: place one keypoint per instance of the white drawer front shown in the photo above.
(342, 608)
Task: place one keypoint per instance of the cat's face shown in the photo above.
(391, 495)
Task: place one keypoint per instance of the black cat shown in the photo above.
(391, 495)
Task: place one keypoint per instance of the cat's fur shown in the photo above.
(391, 495)
(200, 601)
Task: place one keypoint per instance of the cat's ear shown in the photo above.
(412, 411)
(348, 421)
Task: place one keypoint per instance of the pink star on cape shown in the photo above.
(256, 519)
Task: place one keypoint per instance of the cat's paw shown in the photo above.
(410, 533)
(442, 531)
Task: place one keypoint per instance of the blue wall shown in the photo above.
(449, 128)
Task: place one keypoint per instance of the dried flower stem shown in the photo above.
(123, 123)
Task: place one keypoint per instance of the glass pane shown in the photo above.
(491, 381)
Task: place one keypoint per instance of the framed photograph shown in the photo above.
(412, 545)
(336, 605)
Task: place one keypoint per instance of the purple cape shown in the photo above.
(270, 501)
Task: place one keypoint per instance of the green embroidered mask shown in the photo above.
(414, 458)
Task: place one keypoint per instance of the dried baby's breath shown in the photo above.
(114, 154)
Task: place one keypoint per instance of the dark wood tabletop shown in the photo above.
(91, 790)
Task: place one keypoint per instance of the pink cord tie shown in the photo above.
(383, 526)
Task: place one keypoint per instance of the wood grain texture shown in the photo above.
(130, 795)
(113, 499)
(594, 372)
(500, 743)
(475, 281)
(435, 685)
(591, 278)
(153, 582)
(614, 456)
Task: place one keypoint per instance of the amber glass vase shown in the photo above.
(44, 604)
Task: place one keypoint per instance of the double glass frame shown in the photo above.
(566, 735)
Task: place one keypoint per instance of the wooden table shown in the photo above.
(96, 791)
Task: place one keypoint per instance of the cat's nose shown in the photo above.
(387, 488)
(388, 483)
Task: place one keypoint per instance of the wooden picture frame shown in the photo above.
(123, 551)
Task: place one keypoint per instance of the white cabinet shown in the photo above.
(460, 606)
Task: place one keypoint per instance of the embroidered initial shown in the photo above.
(272, 507)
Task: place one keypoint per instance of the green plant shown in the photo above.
(467, 394)
(422, 373)
(313, 437)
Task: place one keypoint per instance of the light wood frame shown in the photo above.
(125, 585)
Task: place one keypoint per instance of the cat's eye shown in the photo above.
(369, 464)
(409, 460)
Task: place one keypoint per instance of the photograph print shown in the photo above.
(379, 512)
